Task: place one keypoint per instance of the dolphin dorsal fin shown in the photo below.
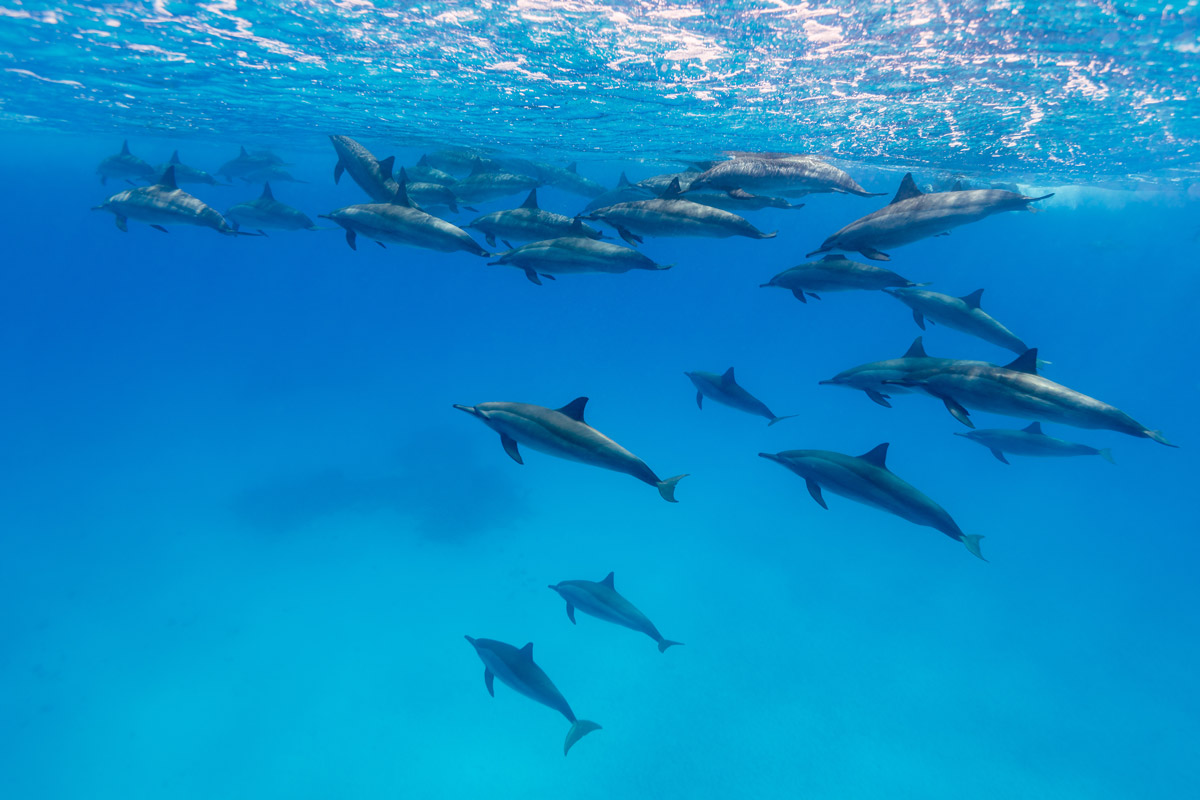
(608, 581)
(527, 651)
(267, 195)
(125, 147)
(835, 257)
(386, 166)
(573, 168)
(1026, 362)
(400, 198)
(972, 299)
(174, 158)
(908, 188)
(168, 178)
(728, 378)
(624, 181)
(531, 200)
(477, 167)
(242, 152)
(916, 349)
(574, 409)
(576, 226)
(1033, 427)
(423, 161)
(958, 187)
(876, 456)
(672, 191)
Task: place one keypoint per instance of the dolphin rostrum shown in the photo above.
(958, 313)
(670, 214)
(1030, 441)
(516, 670)
(793, 175)
(267, 212)
(164, 203)
(372, 175)
(529, 223)
(563, 433)
(834, 273)
(600, 599)
(881, 379)
(1016, 390)
(126, 166)
(725, 390)
(867, 480)
(913, 215)
(574, 254)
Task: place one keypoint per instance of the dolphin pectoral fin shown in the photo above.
(490, 238)
(547, 276)
(799, 295)
(488, 677)
(508, 244)
(958, 412)
(338, 169)
(579, 729)
(878, 397)
(814, 489)
(943, 233)
(630, 238)
(351, 238)
(472, 209)
(814, 295)
(122, 225)
(773, 420)
(510, 447)
(875, 255)
(919, 318)
(1106, 454)
(533, 277)
(999, 456)
(381, 244)
(159, 228)
(971, 541)
(663, 644)
(667, 488)
(571, 613)
(700, 400)
(1158, 437)
(261, 232)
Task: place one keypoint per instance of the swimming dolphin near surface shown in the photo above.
(834, 273)
(247, 163)
(267, 212)
(516, 670)
(563, 433)
(573, 255)
(958, 313)
(398, 221)
(1030, 441)
(488, 182)
(185, 174)
(867, 480)
(881, 379)
(425, 173)
(725, 390)
(1016, 390)
(626, 192)
(125, 166)
(433, 195)
(670, 214)
(600, 599)
(793, 175)
(913, 215)
(737, 200)
(372, 175)
(164, 203)
(529, 223)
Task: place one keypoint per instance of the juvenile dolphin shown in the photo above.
(516, 670)
(398, 221)
(563, 433)
(626, 192)
(913, 215)
(867, 480)
(573, 255)
(724, 389)
(267, 212)
(247, 163)
(958, 313)
(487, 182)
(529, 223)
(782, 174)
(125, 166)
(1030, 441)
(426, 173)
(881, 379)
(1016, 390)
(185, 174)
(737, 200)
(372, 175)
(600, 599)
(163, 203)
(834, 273)
(672, 215)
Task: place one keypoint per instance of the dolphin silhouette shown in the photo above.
(601, 600)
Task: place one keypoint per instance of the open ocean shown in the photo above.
(245, 532)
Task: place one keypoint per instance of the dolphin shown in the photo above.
(1016, 390)
(399, 221)
(671, 215)
(724, 389)
(458, 160)
(516, 670)
(372, 175)
(164, 203)
(794, 175)
(878, 378)
(563, 433)
(568, 179)
(573, 255)
(486, 182)
(657, 184)
(186, 174)
(738, 200)
(529, 223)
(1030, 441)
(270, 172)
(267, 212)
(834, 273)
(958, 313)
(600, 599)
(867, 480)
(247, 163)
(626, 192)
(433, 195)
(913, 215)
(126, 166)
(425, 173)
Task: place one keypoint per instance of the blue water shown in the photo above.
(245, 532)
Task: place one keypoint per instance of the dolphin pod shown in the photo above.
(1030, 441)
(725, 390)
(516, 670)
(601, 600)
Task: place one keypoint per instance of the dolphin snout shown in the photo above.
(830, 382)
(770, 456)
(469, 409)
(469, 639)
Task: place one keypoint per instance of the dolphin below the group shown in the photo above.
(515, 669)
(1030, 441)
(913, 215)
(267, 212)
(725, 390)
(164, 203)
(125, 166)
(879, 380)
(962, 314)
(834, 273)
(601, 600)
(563, 433)
(671, 214)
(866, 479)
(574, 255)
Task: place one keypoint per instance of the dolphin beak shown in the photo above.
(553, 586)
(469, 409)
(469, 639)
(956, 433)
(769, 456)
(825, 383)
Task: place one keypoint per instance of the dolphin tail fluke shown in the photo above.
(1158, 437)
(781, 419)
(972, 543)
(663, 644)
(667, 488)
(579, 729)
(1106, 454)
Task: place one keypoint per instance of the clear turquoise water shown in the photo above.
(245, 532)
